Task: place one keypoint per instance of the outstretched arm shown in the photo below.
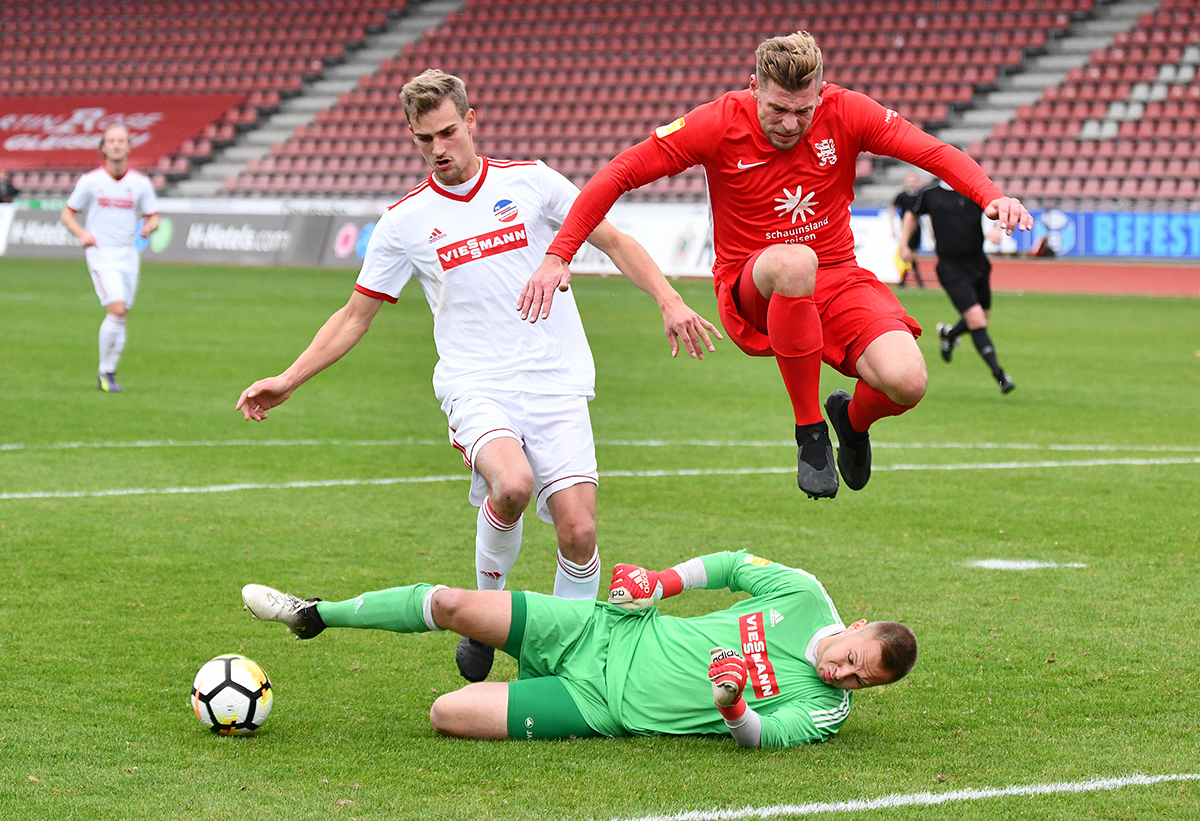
(337, 336)
(632, 260)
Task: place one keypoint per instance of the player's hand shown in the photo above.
(634, 588)
(1010, 214)
(87, 239)
(538, 294)
(728, 673)
(262, 395)
(681, 322)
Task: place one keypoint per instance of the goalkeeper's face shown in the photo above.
(852, 659)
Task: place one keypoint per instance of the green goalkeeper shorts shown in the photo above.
(561, 646)
(542, 708)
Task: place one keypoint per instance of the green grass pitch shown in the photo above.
(110, 603)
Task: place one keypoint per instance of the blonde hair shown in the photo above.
(792, 62)
(430, 89)
(104, 134)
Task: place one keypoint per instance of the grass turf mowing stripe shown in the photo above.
(646, 443)
(922, 799)
(75, 494)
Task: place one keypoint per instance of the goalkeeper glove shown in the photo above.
(636, 588)
(728, 673)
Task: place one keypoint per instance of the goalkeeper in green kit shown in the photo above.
(773, 670)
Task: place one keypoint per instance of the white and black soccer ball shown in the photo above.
(232, 695)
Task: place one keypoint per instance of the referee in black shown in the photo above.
(962, 267)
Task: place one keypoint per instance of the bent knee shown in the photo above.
(910, 387)
(787, 270)
(511, 494)
(441, 715)
(447, 604)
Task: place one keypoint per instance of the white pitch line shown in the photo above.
(640, 443)
(921, 799)
(76, 494)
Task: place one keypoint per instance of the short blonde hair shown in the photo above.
(104, 134)
(430, 89)
(792, 62)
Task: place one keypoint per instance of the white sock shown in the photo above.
(112, 342)
(577, 581)
(497, 544)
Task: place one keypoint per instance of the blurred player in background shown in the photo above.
(114, 197)
(779, 159)
(902, 205)
(773, 670)
(962, 267)
(8, 191)
(515, 395)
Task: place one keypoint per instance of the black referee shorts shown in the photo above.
(966, 281)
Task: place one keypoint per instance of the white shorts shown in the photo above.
(114, 273)
(554, 431)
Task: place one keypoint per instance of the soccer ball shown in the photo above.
(232, 695)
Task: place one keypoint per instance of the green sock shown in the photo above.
(399, 609)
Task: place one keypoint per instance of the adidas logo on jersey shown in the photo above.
(776, 617)
(436, 235)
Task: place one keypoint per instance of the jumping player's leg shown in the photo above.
(868, 335)
(574, 512)
(775, 295)
(892, 379)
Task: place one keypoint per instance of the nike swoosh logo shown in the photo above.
(742, 164)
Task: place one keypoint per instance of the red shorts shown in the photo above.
(855, 309)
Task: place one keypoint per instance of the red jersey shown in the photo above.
(761, 196)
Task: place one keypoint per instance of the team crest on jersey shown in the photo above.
(484, 245)
(887, 117)
(799, 205)
(826, 152)
(754, 650)
(505, 210)
(664, 130)
(757, 562)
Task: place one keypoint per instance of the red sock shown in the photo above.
(794, 328)
(868, 405)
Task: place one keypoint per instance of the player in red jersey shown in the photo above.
(779, 159)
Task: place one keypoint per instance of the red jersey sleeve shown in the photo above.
(885, 132)
(671, 150)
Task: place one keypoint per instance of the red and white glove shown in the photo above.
(728, 673)
(636, 588)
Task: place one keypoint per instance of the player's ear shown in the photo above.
(858, 625)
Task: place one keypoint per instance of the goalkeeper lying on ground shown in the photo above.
(779, 666)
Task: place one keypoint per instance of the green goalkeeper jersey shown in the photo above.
(657, 670)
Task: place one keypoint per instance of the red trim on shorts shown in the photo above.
(583, 476)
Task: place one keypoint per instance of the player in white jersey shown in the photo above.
(115, 197)
(515, 393)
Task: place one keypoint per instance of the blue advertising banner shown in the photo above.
(1141, 235)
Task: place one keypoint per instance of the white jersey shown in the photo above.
(113, 206)
(473, 247)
